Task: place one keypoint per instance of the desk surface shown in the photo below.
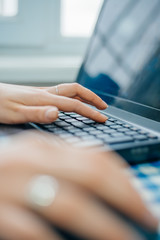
(147, 181)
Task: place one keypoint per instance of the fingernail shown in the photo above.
(105, 104)
(51, 113)
(104, 118)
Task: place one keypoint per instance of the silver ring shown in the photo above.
(57, 90)
(42, 191)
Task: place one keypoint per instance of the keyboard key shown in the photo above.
(102, 127)
(91, 143)
(58, 120)
(79, 124)
(74, 130)
(64, 117)
(88, 129)
(117, 134)
(123, 129)
(115, 126)
(52, 126)
(135, 129)
(112, 119)
(119, 122)
(88, 138)
(140, 137)
(131, 133)
(59, 132)
(70, 120)
(108, 123)
(142, 132)
(82, 118)
(89, 121)
(152, 136)
(75, 115)
(103, 136)
(119, 140)
(69, 128)
(61, 114)
(61, 124)
(70, 113)
(81, 134)
(127, 126)
(95, 132)
(109, 131)
(66, 135)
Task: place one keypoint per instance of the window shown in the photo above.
(78, 17)
(44, 40)
(8, 8)
(47, 26)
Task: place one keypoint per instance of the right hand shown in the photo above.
(84, 177)
(21, 104)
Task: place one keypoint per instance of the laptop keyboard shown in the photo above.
(82, 131)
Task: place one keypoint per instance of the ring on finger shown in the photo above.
(57, 90)
(42, 191)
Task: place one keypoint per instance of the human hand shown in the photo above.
(85, 180)
(20, 104)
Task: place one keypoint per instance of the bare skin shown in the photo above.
(20, 104)
(83, 176)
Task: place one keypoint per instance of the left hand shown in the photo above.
(90, 186)
(20, 104)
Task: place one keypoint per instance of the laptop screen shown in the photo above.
(122, 63)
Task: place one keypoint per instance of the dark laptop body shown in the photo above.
(122, 65)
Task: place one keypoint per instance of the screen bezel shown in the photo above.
(122, 103)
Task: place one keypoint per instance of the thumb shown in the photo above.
(43, 114)
(51, 114)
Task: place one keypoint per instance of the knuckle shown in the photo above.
(41, 95)
(75, 85)
(76, 104)
(16, 108)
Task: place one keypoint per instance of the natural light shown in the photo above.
(8, 8)
(78, 17)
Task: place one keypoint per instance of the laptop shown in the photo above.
(122, 66)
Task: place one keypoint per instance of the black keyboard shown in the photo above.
(81, 131)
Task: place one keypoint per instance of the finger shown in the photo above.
(75, 89)
(42, 98)
(82, 100)
(72, 105)
(18, 224)
(75, 211)
(38, 114)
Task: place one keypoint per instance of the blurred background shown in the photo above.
(42, 42)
